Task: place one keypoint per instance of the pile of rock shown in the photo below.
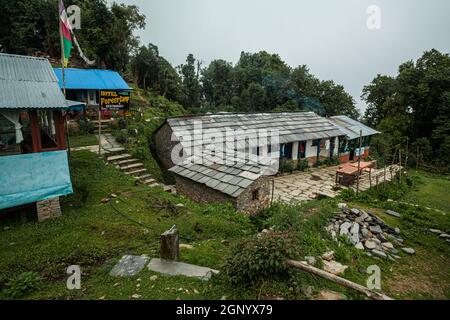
(368, 232)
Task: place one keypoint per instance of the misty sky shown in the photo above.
(329, 36)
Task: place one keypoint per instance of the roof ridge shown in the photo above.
(22, 56)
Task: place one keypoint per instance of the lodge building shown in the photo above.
(300, 136)
(34, 169)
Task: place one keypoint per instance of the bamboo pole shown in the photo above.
(343, 282)
(99, 131)
(359, 162)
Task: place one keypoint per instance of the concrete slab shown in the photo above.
(129, 266)
(175, 268)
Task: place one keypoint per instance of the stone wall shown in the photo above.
(200, 192)
(47, 209)
(163, 146)
(245, 203)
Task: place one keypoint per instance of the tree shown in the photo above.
(190, 80)
(217, 83)
(415, 105)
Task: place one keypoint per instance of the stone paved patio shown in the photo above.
(308, 185)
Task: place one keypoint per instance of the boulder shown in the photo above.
(370, 244)
(408, 250)
(359, 246)
(379, 253)
(310, 260)
(334, 267)
(375, 229)
(355, 211)
(342, 205)
(393, 213)
(387, 245)
(328, 256)
(354, 233)
(343, 229)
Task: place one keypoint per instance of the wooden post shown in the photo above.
(417, 158)
(341, 281)
(169, 249)
(99, 131)
(359, 162)
(406, 153)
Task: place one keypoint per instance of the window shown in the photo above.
(8, 144)
(47, 129)
(286, 151)
(255, 194)
(301, 150)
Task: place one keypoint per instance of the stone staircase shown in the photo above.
(134, 167)
(105, 124)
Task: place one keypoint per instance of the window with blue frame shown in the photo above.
(286, 150)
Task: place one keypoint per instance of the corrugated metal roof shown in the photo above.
(352, 127)
(231, 179)
(91, 79)
(28, 83)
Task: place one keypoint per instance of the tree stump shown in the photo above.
(170, 244)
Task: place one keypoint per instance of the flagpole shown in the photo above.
(63, 77)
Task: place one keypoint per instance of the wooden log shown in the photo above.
(169, 249)
(343, 282)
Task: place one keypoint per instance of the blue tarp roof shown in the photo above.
(92, 79)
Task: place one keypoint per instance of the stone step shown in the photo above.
(115, 151)
(131, 166)
(145, 176)
(154, 185)
(118, 157)
(136, 172)
(150, 181)
(126, 161)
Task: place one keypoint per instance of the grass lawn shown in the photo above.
(83, 140)
(96, 235)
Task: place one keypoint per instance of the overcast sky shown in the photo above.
(330, 36)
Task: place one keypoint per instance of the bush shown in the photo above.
(261, 257)
(24, 283)
(302, 165)
(122, 137)
(122, 123)
(286, 166)
(330, 162)
(86, 126)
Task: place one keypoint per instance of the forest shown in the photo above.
(411, 109)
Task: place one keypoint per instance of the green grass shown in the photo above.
(96, 235)
(430, 190)
(83, 140)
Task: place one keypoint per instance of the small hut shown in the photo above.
(34, 170)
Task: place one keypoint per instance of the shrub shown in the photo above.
(122, 137)
(260, 257)
(302, 165)
(286, 166)
(86, 126)
(122, 123)
(330, 162)
(24, 283)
